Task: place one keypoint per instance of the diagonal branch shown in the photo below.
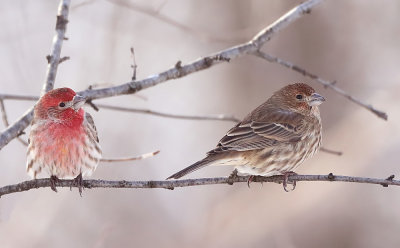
(178, 71)
(325, 83)
(216, 117)
(171, 184)
(59, 36)
(5, 120)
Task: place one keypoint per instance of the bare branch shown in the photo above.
(325, 83)
(54, 57)
(133, 66)
(5, 120)
(18, 97)
(155, 13)
(323, 149)
(200, 64)
(171, 184)
(140, 157)
(219, 117)
(3, 113)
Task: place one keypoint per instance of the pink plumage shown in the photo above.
(63, 141)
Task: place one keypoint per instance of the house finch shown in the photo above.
(274, 139)
(63, 140)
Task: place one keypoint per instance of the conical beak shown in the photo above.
(316, 99)
(77, 102)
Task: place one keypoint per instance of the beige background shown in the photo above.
(354, 42)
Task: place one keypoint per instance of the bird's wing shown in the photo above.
(254, 135)
(92, 131)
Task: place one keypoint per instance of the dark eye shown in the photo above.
(61, 105)
(299, 97)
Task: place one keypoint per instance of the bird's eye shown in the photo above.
(299, 97)
(61, 105)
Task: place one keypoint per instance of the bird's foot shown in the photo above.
(251, 178)
(53, 181)
(78, 182)
(285, 180)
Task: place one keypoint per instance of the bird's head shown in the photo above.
(60, 105)
(298, 97)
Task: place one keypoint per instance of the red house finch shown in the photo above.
(274, 139)
(63, 140)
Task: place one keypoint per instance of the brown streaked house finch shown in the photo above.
(274, 139)
(63, 141)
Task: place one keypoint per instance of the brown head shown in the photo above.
(60, 105)
(297, 97)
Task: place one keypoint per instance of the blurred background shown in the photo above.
(353, 42)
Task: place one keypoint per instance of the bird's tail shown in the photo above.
(198, 165)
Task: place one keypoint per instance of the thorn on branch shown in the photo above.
(326, 86)
(65, 38)
(133, 66)
(178, 65)
(48, 57)
(21, 133)
(134, 87)
(63, 59)
(91, 104)
(331, 177)
(220, 57)
(232, 178)
(61, 22)
(208, 62)
(390, 178)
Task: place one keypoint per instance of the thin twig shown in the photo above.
(218, 117)
(200, 64)
(140, 157)
(54, 57)
(325, 83)
(18, 97)
(5, 120)
(133, 66)
(323, 149)
(155, 13)
(171, 184)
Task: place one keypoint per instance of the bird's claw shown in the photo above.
(78, 182)
(251, 178)
(53, 181)
(286, 180)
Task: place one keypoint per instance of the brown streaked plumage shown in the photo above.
(273, 139)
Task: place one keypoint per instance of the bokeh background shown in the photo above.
(353, 42)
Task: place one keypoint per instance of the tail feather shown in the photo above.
(198, 165)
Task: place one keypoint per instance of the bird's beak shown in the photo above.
(77, 102)
(316, 99)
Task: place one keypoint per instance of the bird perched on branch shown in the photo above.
(274, 139)
(63, 141)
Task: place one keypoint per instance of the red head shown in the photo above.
(60, 105)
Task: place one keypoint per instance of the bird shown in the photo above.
(63, 141)
(274, 139)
